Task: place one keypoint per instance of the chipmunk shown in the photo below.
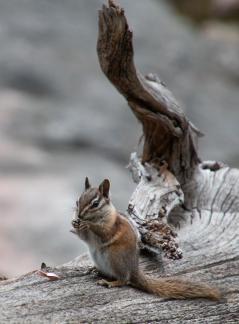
(113, 245)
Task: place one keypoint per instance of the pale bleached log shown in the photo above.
(157, 193)
(76, 298)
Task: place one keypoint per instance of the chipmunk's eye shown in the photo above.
(95, 204)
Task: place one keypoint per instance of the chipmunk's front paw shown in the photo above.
(83, 226)
(79, 224)
(75, 223)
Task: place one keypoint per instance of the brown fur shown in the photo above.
(113, 243)
(174, 288)
(86, 198)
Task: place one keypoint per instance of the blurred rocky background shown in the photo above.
(203, 10)
(61, 120)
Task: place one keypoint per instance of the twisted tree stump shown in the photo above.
(176, 194)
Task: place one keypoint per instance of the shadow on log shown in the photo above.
(196, 200)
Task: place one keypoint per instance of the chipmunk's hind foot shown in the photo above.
(111, 284)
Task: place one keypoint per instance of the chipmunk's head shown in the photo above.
(94, 203)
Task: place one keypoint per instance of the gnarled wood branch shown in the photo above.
(167, 132)
(169, 138)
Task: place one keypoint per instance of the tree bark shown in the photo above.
(176, 194)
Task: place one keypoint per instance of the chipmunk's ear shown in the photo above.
(87, 184)
(105, 188)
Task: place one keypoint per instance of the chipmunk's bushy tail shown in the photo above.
(173, 288)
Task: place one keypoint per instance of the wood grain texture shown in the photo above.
(76, 298)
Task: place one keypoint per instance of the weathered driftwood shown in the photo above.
(158, 192)
(168, 136)
(76, 298)
(198, 200)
